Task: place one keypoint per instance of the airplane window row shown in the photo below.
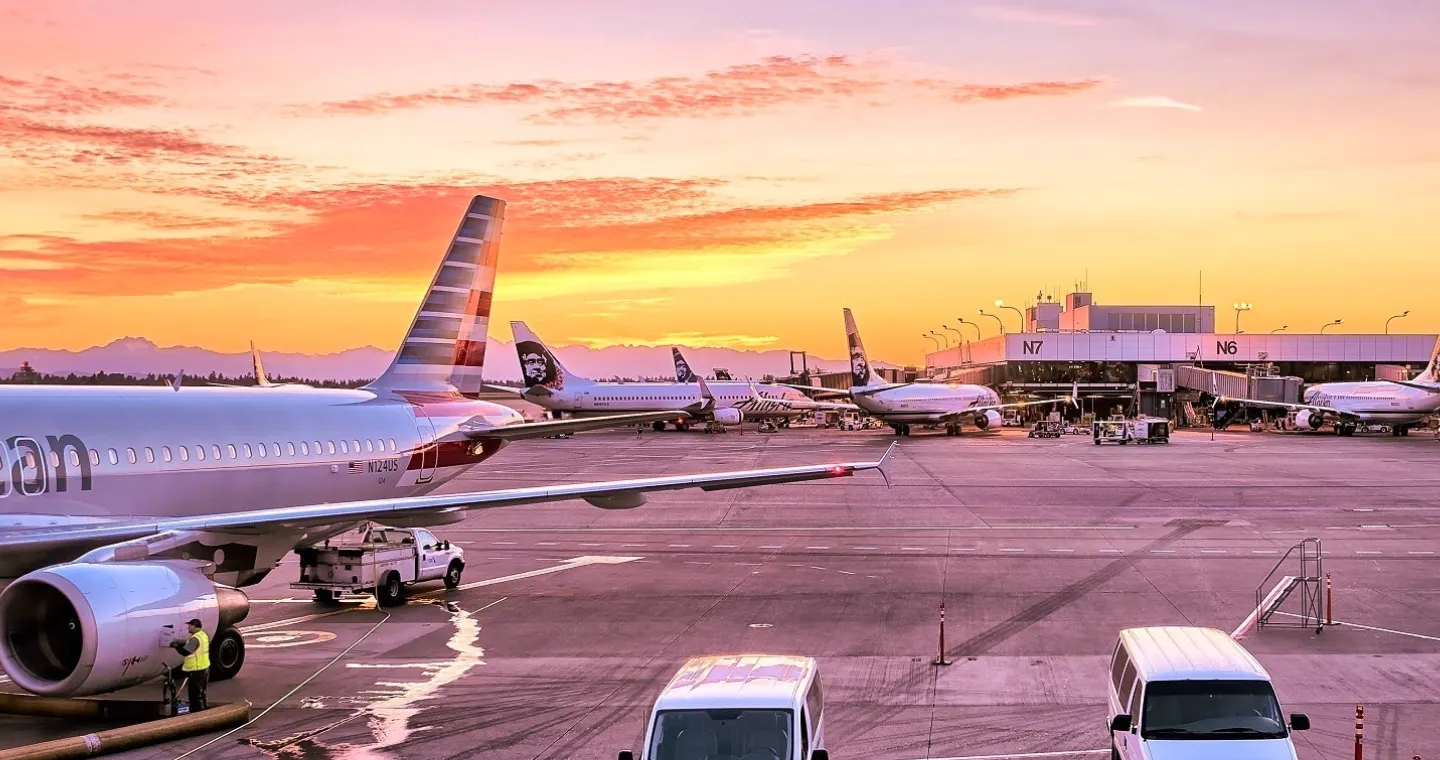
(231, 451)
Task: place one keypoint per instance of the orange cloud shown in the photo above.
(736, 90)
(389, 232)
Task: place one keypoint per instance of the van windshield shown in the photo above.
(706, 734)
(1211, 710)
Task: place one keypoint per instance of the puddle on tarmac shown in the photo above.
(392, 705)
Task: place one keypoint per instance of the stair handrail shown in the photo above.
(1260, 590)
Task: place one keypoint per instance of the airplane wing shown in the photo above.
(1014, 405)
(818, 391)
(1417, 386)
(571, 425)
(509, 388)
(614, 494)
(1341, 413)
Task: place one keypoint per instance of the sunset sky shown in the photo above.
(714, 173)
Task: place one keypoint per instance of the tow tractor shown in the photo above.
(384, 563)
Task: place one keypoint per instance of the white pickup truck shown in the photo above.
(383, 563)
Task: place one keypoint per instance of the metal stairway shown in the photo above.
(1269, 599)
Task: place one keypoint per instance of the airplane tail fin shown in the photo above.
(261, 380)
(1431, 375)
(445, 346)
(683, 373)
(538, 364)
(860, 373)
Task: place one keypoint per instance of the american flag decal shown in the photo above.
(357, 468)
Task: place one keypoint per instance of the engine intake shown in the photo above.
(80, 628)
(1308, 419)
(728, 416)
(988, 420)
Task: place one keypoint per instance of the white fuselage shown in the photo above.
(921, 403)
(1375, 401)
(75, 454)
(614, 398)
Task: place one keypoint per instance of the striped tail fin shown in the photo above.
(445, 347)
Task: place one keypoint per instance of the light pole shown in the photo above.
(972, 324)
(997, 319)
(942, 336)
(1331, 324)
(1239, 307)
(931, 337)
(1405, 313)
(1002, 305)
(1282, 328)
(959, 336)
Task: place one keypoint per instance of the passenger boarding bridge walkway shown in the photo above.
(1270, 596)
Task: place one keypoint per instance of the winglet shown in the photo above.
(1074, 397)
(179, 378)
(707, 398)
(885, 463)
(260, 379)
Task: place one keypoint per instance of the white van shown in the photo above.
(739, 707)
(1182, 692)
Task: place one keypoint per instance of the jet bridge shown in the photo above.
(1219, 382)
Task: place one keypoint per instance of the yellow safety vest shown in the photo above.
(200, 658)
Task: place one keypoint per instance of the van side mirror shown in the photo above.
(820, 754)
(1299, 722)
(626, 754)
(1120, 723)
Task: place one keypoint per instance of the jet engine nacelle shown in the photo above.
(82, 628)
(728, 416)
(988, 420)
(1308, 420)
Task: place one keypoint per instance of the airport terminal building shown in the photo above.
(1160, 360)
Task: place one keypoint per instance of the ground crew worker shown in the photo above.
(196, 667)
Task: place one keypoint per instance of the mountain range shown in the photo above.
(138, 356)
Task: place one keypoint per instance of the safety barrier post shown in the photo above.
(940, 658)
(1359, 732)
(1329, 601)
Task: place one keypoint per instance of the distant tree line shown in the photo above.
(27, 375)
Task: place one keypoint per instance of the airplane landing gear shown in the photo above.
(1345, 430)
(952, 430)
(227, 655)
(901, 429)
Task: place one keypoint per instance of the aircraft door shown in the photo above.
(429, 452)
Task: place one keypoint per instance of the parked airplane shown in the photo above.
(776, 401)
(125, 511)
(684, 374)
(901, 405)
(550, 385)
(1401, 404)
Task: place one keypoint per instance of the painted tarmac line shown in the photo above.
(569, 564)
(1254, 615)
(1020, 755)
(1374, 628)
(297, 620)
